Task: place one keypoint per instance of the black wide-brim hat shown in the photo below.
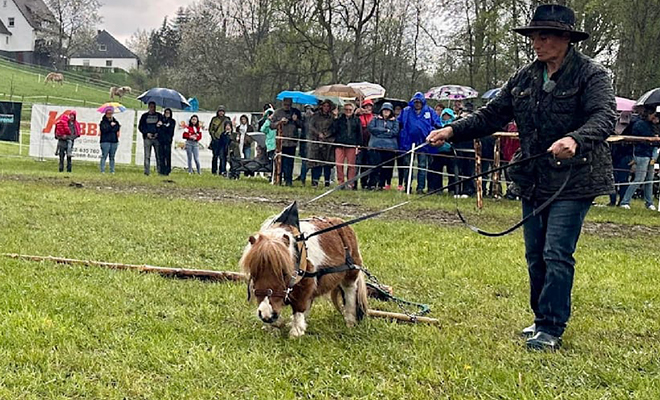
(553, 18)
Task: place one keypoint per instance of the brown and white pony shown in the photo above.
(270, 260)
(119, 91)
(54, 77)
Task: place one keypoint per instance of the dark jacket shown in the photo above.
(109, 133)
(166, 131)
(384, 133)
(149, 123)
(347, 130)
(319, 131)
(581, 106)
(290, 129)
(642, 128)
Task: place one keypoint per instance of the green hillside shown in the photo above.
(25, 84)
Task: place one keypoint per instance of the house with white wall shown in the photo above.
(107, 52)
(23, 23)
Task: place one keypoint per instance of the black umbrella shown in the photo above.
(650, 98)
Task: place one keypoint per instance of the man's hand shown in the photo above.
(438, 137)
(563, 148)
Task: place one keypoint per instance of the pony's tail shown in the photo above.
(361, 300)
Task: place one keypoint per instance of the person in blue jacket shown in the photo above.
(444, 159)
(383, 144)
(417, 121)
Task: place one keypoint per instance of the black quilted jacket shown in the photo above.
(581, 106)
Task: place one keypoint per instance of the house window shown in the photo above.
(7, 40)
(86, 63)
(108, 63)
(11, 22)
(103, 47)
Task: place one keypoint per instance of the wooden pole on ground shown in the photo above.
(477, 170)
(401, 317)
(181, 273)
(497, 186)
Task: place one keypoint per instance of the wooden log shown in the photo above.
(401, 317)
(180, 273)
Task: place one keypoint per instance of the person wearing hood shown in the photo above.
(165, 138)
(67, 130)
(219, 142)
(271, 143)
(150, 123)
(383, 144)
(347, 133)
(320, 150)
(417, 121)
(288, 120)
(109, 128)
(366, 114)
(444, 159)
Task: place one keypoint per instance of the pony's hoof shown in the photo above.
(351, 323)
(295, 332)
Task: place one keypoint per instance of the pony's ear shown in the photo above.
(252, 240)
(286, 239)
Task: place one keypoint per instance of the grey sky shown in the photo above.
(123, 17)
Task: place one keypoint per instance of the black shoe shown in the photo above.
(543, 341)
(288, 184)
(529, 331)
(420, 191)
(327, 184)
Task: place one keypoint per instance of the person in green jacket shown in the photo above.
(270, 134)
(219, 141)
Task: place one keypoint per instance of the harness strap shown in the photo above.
(303, 238)
(522, 222)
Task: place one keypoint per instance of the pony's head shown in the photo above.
(269, 262)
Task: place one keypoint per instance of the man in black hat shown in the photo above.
(563, 104)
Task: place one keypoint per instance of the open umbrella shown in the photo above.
(338, 90)
(623, 104)
(369, 90)
(491, 94)
(164, 98)
(298, 97)
(650, 98)
(116, 107)
(451, 92)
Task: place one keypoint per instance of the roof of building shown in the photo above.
(3, 29)
(34, 11)
(113, 48)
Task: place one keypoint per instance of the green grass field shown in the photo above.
(78, 332)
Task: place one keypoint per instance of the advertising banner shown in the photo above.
(10, 121)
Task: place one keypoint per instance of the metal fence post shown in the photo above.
(410, 170)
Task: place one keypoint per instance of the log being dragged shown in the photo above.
(180, 273)
(401, 317)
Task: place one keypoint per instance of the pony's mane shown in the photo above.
(269, 253)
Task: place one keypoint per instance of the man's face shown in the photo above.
(152, 108)
(438, 109)
(549, 46)
(221, 113)
(286, 104)
(348, 110)
(418, 105)
(397, 110)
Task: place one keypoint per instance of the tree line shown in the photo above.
(241, 53)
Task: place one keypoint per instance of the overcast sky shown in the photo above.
(123, 17)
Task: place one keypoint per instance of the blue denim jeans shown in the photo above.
(108, 150)
(550, 241)
(643, 173)
(192, 151)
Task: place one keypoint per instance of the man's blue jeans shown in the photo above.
(550, 241)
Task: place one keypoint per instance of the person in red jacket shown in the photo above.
(193, 134)
(366, 114)
(67, 129)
